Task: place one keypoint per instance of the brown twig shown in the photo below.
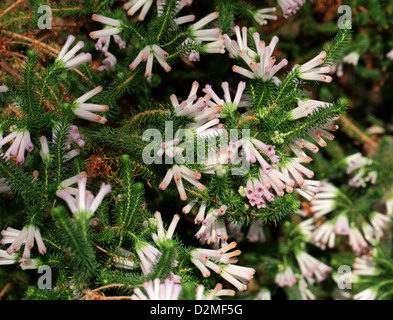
(7, 286)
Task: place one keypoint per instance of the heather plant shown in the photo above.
(179, 149)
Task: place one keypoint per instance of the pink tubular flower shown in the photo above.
(113, 30)
(21, 143)
(255, 232)
(285, 278)
(179, 172)
(290, 7)
(3, 89)
(149, 256)
(86, 110)
(157, 290)
(148, 54)
(7, 259)
(309, 267)
(68, 57)
(310, 70)
(357, 241)
(213, 229)
(325, 235)
(26, 236)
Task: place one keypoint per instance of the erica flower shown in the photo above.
(261, 16)
(365, 266)
(310, 70)
(26, 236)
(180, 5)
(3, 89)
(161, 235)
(218, 291)
(83, 205)
(352, 58)
(44, 152)
(356, 161)
(285, 278)
(290, 7)
(368, 294)
(68, 57)
(149, 257)
(213, 229)
(134, 5)
(255, 233)
(6, 259)
(21, 143)
(148, 54)
(112, 28)
(179, 172)
(305, 293)
(157, 290)
(205, 259)
(310, 267)
(307, 107)
(264, 294)
(261, 63)
(356, 240)
(86, 110)
(325, 200)
(325, 235)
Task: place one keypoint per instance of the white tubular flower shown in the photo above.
(255, 233)
(7, 259)
(204, 21)
(149, 257)
(306, 228)
(285, 278)
(264, 294)
(265, 68)
(114, 28)
(161, 235)
(238, 276)
(305, 293)
(341, 225)
(310, 70)
(44, 152)
(124, 262)
(3, 89)
(181, 4)
(352, 58)
(325, 235)
(134, 5)
(21, 143)
(86, 110)
(84, 203)
(356, 240)
(261, 16)
(148, 54)
(324, 201)
(380, 223)
(356, 161)
(310, 266)
(364, 266)
(217, 292)
(179, 172)
(26, 236)
(307, 107)
(157, 290)
(368, 294)
(68, 57)
(29, 264)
